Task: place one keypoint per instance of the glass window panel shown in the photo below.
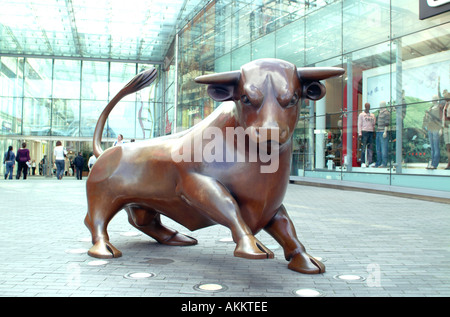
(223, 9)
(11, 76)
(36, 116)
(95, 80)
(65, 117)
(122, 120)
(365, 88)
(10, 115)
(145, 120)
(223, 64)
(323, 34)
(290, 43)
(66, 79)
(264, 47)
(120, 75)
(420, 83)
(241, 27)
(223, 37)
(146, 99)
(405, 18)
(365, 23)
(90, 112)
(240, 57)
(38, 77)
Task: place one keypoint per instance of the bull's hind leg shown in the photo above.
(149, 222)
(212, 199)
(99, 215)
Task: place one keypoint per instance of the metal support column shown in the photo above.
(349, 136)
(398, 107)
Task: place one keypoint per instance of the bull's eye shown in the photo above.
(245, 100)
(293, 101)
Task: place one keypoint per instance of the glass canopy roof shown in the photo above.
(137, 30)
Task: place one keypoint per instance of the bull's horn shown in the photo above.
(225, 78)
(319, 73)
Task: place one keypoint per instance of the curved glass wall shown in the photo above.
(397, 63)
(43, 100)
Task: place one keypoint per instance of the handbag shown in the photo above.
(17, 156)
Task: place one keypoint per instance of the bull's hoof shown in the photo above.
(179, 239)
(306, 264)
(250, 248)
(104, 250)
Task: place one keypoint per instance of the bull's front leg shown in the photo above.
(282, 229)
(213, 200)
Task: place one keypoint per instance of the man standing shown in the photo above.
(78, 162)
(366, 129)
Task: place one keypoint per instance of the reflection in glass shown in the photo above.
(38, 77)
(36, 116)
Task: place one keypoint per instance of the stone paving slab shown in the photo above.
(398, 246)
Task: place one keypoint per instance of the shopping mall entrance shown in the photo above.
(41, 153)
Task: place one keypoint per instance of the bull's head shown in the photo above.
(267, 94)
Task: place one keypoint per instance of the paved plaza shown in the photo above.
(387, 246)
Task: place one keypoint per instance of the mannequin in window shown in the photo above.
(433, 125)
(382, 135)
(366, 129)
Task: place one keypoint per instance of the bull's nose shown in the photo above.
(265, 134)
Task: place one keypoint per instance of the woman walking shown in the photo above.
(59, 153)
(9, 160)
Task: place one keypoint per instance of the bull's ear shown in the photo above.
(221, 85)
(310, 76)
(221, 92)
(313, 90)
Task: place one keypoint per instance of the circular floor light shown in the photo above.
(319, 258)
(138, 275)
(210, 287)
(130, 234)
(97, 262)
(77, 251)
(349, 277)
(227, 239)
(309, 292)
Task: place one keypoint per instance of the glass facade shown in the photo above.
(44, 100)
(394, 61)
(391, 58)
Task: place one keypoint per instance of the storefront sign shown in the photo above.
(429, 8)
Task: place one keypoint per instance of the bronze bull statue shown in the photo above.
(226, 180)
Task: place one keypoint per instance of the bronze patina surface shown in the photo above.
(241, 181)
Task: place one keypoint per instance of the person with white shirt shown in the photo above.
(59, 154)
(91, 162)
(119, 140)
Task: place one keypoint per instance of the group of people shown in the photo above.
(60, 154)
(22, 157)
(436, 123)
(23, 160)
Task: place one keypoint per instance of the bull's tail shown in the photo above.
(140, 81)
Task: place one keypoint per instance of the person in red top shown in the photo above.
(22, 158)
